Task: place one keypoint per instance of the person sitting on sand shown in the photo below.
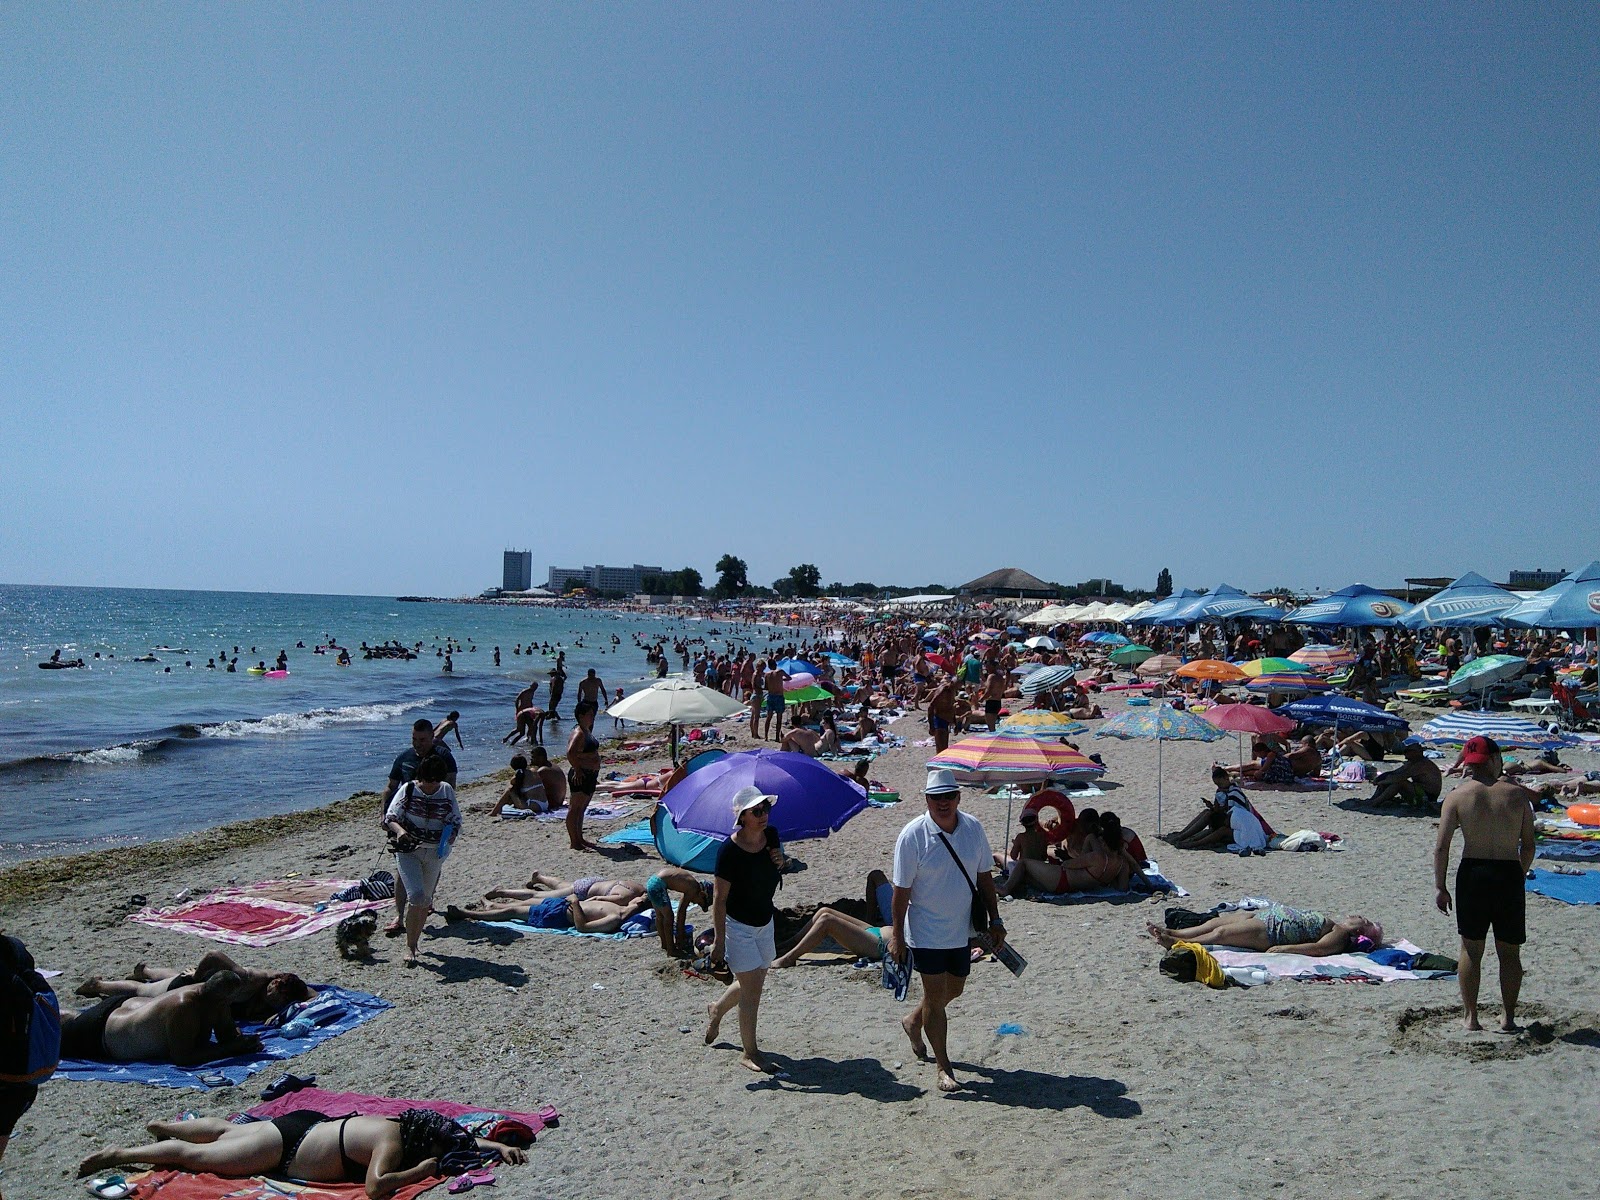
(543, 887)
(186, 1025)
(524, 794)
(555, 912)
(1030, 842)
(1417, 782)
(802, 740)
(1228, 820)
(383, 1153)
(866, 729)
(693, 889)
(262, 994)
(1280, 929)
(1097, 866)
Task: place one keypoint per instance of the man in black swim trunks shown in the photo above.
(1495, 817)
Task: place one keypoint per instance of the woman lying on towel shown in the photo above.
(547, 887)
(1280, 929)
(383, 1153)
(1101, 862)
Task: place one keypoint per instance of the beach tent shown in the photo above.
(1468, 603)
(1357, 606)
(1091, 612)
(921, 599)
(1161, 609)
(1050, 614)
(1137, 610)
(1225, 604)
(1116, 613)
(1574, 603)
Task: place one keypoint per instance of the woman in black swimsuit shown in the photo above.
(383, 1153)
(583, 773)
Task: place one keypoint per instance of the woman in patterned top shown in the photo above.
(417, 819)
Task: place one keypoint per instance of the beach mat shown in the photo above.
(185, 1185)
(1304, 968)
(641, 924)
(1569, 889)
(260, 914)
(337, 1104)
(359, 1008)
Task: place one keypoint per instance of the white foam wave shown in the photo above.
(109, 755)
(320, 718)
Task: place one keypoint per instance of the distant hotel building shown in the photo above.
(1527, 581)
(626, 580)
(517, 575)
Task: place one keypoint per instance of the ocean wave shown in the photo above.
(318, 718)
(111, 755)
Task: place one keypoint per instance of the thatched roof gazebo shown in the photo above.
(1011, 582)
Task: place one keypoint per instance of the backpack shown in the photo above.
(30, 1019)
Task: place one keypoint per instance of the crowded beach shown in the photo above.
(974, 879)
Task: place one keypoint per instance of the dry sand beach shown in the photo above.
(1124, 1082)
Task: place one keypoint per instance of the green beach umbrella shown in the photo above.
(1131, 656)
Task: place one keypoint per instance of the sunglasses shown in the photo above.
(763, 808)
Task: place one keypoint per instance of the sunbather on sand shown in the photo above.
(545, 887)
(176, 1026)
(1277, 928)
(856, 936)
(555, 912)
(1101, 863)
(384, 1153)
(262, 994)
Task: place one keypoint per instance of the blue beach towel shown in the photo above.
(637, 834)
(1569, 889)
(642, 924)
(356, 1008)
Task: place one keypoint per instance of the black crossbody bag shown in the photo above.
(980, 910)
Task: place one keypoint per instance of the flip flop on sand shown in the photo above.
(109, 1187)
(483, 1177)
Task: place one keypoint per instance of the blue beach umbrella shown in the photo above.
(841, 661)
(1357, 606)
(812, 801)
(1225, 604)
(1508, 732)
(797, 666)
(1343, 711)
(1574, 603)
(1161, 609)
(1471, 602)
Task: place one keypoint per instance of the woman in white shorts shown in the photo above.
(742, 916)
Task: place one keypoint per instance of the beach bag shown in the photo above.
(30, 1019)
(980, 911)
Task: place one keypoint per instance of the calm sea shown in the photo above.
(127, 751)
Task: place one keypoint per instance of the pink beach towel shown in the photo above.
(260, 914)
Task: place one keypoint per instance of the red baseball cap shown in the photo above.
(1479, 750)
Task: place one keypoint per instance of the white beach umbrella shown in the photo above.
(675, 702)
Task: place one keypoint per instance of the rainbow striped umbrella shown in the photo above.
(1161, 724)
(1014, 758)
(1323, 658)
(1270, 666)
(1041, 723)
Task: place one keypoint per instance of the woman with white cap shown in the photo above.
(742, 917)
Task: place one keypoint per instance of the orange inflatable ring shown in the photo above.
(1063, 807)
(1584, 814)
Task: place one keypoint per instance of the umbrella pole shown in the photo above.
(1159, 749)
(672, 732)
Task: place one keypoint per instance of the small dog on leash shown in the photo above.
(353, 935)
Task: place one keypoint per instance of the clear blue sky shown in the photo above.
(349, 298)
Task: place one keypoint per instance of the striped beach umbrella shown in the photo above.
(1014, 758)
(1298, 680)
(1508, 732)
(1212, 669)
(1045, 679)
(1042, 723)
(1160, 664)
(1323, 658)
(1161, 724)
(1270, 666)
(1484, 672)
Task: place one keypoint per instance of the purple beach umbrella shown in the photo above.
(812, 802)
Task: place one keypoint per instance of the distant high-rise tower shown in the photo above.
(518, 573)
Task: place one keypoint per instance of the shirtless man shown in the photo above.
(994, 694)
(801, 740)
(1417, 781)
(592, 690)
(541, 886)
(175, 1026)
(556, 912)
(941, 712)
(772, 689)
(262, 994)
(1495, 817)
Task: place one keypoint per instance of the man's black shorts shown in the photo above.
(957, 962)
(15, 1099)
(1489, 893)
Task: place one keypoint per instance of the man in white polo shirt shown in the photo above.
(933, 898)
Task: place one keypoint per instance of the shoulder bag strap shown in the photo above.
(959, 863)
